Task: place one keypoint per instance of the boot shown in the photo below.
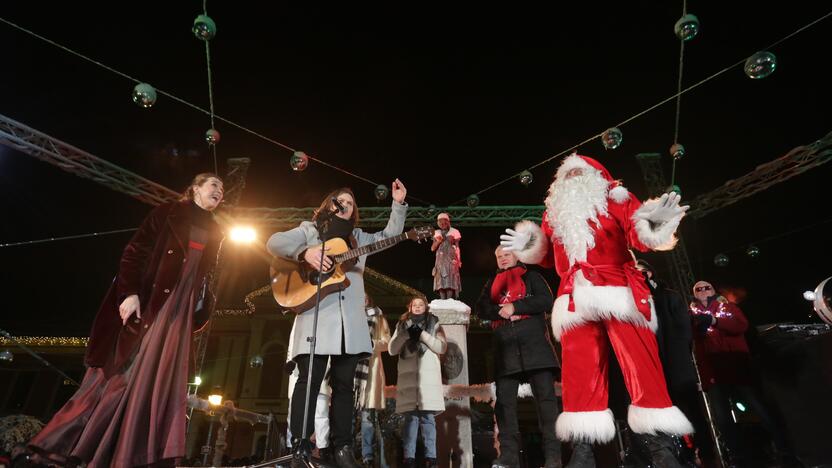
(430, 463)
(661, 448)
(582, 456)
(345, 459)
(509, 452)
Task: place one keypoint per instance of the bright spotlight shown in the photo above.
(741, 407)
(809, 295)
(243, 234)
(197, 381)
(215, 400)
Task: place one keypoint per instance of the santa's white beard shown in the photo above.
(572, 204)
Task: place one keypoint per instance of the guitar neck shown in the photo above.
(371, 248)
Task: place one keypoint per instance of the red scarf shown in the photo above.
(508, 285)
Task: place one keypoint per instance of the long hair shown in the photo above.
(326, 204)
(198, 180)
(405, 316)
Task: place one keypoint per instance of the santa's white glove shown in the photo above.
(515, 241)
(666, 209)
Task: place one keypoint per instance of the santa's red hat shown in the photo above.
(617, 192)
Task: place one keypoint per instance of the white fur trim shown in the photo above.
(586, 426)
(662, 237)
(652, 420)
(573, 161)
(619, 194)
(538, 245)
(594, 303)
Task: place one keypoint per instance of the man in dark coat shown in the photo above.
(516, 301)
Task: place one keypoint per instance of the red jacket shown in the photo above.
(150, 267)
(722, 352)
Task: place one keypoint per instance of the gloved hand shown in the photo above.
(289, 367)
(515, 241)
(667, 208)
(702, 322)
(415, 331)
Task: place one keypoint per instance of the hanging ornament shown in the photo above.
(760, 65)
(212, 136)
(687, 27)
(473, 200)
(255, 362)
(674, 188)
(526, 178)
(299, 161)
(144, 95)
(677, 151)
(612, 138)
(752, 251)
(431, 211)
(204, 28)
(381, 192)
(721, 260)
(6, 356)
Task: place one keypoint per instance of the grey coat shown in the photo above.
(342, 310)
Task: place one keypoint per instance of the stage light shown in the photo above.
(822, 300)
(6, 356)
(809, 295)
(243, 234)
(197, 381)
(215, 399)
(740, 406)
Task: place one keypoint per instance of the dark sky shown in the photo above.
(449, 98)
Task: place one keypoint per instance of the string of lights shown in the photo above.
(757, 66)
(145, 95)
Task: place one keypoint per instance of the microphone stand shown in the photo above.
(302, 454)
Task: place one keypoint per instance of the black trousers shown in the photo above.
(341, 380)
(543, 389)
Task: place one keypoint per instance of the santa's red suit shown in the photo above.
(602, 299)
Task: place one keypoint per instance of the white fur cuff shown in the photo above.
(653, 420)
(586, 426)
(534, 252)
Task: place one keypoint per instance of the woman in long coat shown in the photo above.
(130, 408)
(342, 335)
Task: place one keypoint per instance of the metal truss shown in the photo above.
(795, 162)
(678, 261)
(73, 160)
(462, 216)
(235, 180)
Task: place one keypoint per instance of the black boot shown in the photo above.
(509, 452)
(345, 459)
(582, 456)
(662, 450)
(430, 463)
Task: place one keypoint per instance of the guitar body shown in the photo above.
(295, 286)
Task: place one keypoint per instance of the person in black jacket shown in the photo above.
(516, 301)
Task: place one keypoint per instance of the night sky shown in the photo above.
(448, 98)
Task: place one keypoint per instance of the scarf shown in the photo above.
(508, 285)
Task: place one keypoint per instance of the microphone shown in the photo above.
(338, 205)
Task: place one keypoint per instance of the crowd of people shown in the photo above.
(130, 408)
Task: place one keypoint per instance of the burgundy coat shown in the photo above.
(150, 267)
(722, 352)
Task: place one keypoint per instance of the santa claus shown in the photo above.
(590, 223)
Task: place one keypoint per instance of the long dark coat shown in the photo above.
(522, 345)
(150, 267)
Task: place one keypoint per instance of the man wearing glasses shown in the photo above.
(725, 365)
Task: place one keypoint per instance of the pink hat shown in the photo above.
(443, 216)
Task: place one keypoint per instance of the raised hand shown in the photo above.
(515, 241)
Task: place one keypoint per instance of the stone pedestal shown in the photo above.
(453, 426)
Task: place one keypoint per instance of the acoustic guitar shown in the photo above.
(294, 283)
